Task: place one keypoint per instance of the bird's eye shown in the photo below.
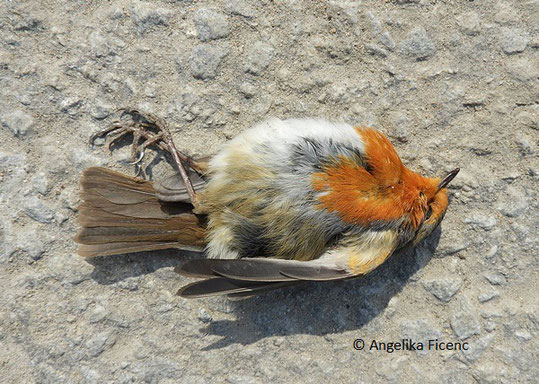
(421, 194)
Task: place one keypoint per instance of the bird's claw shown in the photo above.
(153, 131)
(140, 157)
(142, 128)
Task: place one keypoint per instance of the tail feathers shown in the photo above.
(121, 214)
(118, 248)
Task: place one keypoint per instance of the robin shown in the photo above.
(284, 202)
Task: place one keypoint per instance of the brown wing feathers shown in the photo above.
(223, 286)
(172, 188)
(245, 276)
(121, 214)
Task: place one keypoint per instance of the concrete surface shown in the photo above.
(453, 83)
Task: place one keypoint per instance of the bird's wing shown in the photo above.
(262, 269)
(172, 188)
(224, 286)
(356, 256)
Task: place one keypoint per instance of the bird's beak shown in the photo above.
(446, 180)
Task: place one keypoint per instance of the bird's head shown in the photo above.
(377, 188)
(430, 205)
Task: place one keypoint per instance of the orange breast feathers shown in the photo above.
(382, 189)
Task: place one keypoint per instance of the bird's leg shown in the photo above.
(153, 131)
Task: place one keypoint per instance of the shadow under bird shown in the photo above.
(284, 202)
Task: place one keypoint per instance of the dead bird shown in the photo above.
(283, 202)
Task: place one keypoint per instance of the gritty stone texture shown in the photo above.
(38, 210)
(401, 127)
(420, 330)
(524, 146)
(146, 16)
(495, 278)
(465, 322)
(478, 348)
(484, 222)
(241, 7)
(248, 89)
(487, 296)
(452, 83)
(469, 23)
(205, 60)
(513, 202)
(513, 41)
(418, 44)
(41, 183)
(17, 121)
(258, 57)
(101, 110)
(443, 289)
(210, 25)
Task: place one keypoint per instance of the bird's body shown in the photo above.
(261, 198)
(287, 200)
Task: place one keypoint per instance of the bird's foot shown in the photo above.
(148, 130)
